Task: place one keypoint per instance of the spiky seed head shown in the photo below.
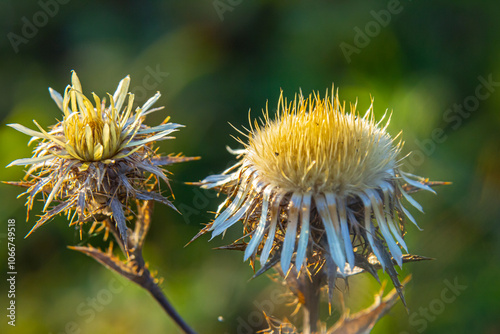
(318, 187)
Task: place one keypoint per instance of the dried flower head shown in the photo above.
(318, 185)
(97, 158)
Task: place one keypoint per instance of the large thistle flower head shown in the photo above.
(318, 185)
(97, 158)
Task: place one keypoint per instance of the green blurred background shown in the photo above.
(425, 61)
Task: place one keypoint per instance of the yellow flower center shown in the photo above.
(90, 138)
(314, 145)
(94, 133)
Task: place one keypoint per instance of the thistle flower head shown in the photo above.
(318, 187)
(97, 158)
(94, 133)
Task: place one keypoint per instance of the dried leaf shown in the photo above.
(372, 264)
(152, 196)
(332, 272)
(55, 211)
(411, 189)
(390, 270)
(277, 326)
(120, 221)
(23, 184)
(142, 224)
(110, 261)
(363, 321)
(172, 159)
(274, 260)
(240, 246)
(204, 230)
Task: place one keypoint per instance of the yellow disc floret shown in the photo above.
(315, 145)
(94, 133)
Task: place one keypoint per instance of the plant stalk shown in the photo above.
(142, 275)
(149, 284)
(311, 292)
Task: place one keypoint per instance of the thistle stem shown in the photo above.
(307, 288)
(149, 284)
(311, 292)
(142, 275)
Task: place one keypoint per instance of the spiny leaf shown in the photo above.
(277, 326)
(204, 230)
(411, 189)
(240, 246)
(127, 270)
(274, 260)
(119, 218)
(147, 196)
(55, 211)
(391, 271)
(363, 321)
(143, 223)
(172, 159)
(371, 264)
(23, 184)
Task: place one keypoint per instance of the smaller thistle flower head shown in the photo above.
(97, 158)
(317, 185)
(94, 133)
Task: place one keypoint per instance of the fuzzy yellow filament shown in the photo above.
(314, 145)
